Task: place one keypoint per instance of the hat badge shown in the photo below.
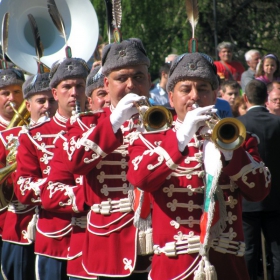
(5, 78)
(192, 66)
(70, 67)
(122, 53)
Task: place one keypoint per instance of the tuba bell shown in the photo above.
(153, 117)
(228, 133)
(81, 25)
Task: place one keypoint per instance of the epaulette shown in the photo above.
(254, 135)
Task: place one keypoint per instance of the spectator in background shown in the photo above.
(264, 215)
(268, 69)
(273, 101)
(170, 57)
(227, 68)
(252, 58)
(159, 95)
(229, 90)
(239, 107)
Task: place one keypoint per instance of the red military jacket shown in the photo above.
(176, 182)
(35, 152)
(95, 151)
(3, 207)
(18, 215)
(63, 192)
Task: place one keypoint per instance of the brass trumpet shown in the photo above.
(153, 117)
(228, 133)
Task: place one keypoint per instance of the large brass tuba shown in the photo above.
(20, 118)
(153, 117)
(81, 26)
(228, 133)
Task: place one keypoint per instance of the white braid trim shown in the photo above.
(169, 162)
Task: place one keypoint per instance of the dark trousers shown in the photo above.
(18, 261)
(253, 224)
(133, 276)
(51, 269)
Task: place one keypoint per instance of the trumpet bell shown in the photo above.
(156, 118)
(81, 26)
(228, 134)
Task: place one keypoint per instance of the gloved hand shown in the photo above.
(124, 110)
(227, 154)
(193, 120)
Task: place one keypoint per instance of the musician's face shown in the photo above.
(41, 104)
(133, 79)
(12, 93)
(67, 92)
(188, 92)
(99, 98)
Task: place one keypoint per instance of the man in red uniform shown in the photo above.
(196, 187)
(66, 189)
(11, 81)
(96, 94)
(227, 68)
(35, 152)
(18, 260)
(97, 149)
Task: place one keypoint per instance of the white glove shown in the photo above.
(124, 110)
(193, 120)
(227, 154)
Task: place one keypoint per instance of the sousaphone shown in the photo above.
(81, 26)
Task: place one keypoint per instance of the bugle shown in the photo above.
(228, 133)
(153, 117)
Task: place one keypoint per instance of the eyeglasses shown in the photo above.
(275, 100)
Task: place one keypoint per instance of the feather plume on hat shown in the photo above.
(192, 14)
(5, 31)
(39, 48)
(117, 19)
(59, 23)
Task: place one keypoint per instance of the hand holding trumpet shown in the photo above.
(193, 120)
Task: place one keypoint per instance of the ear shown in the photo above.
(54, 93)
(245, 99)
(90, 101)
(106, 83)
(170, 97)
(28, 105)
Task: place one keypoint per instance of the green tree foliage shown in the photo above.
(164, 28)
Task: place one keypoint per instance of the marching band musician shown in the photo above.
(196, 187)
(97, 148)
(18, 260)
(11, 81)
(35, 152)
(66, 189)
(96, 94)
(39, 99)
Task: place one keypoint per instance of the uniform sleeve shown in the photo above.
(28, 176)
(62, 191)
(248, 171)
(88, 144)
(150, 164)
